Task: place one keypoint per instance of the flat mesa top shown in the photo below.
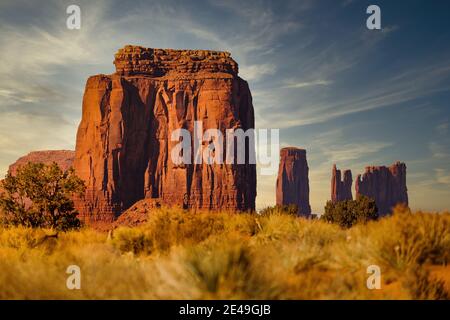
(292, 149)
(137, 60)
(295, 152)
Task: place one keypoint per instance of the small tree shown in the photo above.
(40, 195)
(349, 212)
(290, 209)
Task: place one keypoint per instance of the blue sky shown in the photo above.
(349, 95)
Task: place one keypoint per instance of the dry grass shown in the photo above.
(179, 255)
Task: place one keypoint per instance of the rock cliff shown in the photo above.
(123, 148)
(386, 185)
(341, 190)
(64, 159)
(292, 181)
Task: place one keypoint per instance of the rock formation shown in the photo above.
(137, 214)
(341, 190)
(64, 159)
(123, 148)
(387, 186)
(292, 180)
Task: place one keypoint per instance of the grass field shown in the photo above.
(180, 255)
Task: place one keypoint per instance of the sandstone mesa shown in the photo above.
(123, 141)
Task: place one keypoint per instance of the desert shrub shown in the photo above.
(407, 239)
(245, 224)
(40, 195)
(290, 209)
(231, 256)
(229, 270)
(173, 227)
(422, 286)
(278, 227)
(167, 228)
(20, 237)
(349, 212)
(133, 240)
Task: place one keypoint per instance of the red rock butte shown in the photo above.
(387, 186)
(341, 189)
(63, 158)
(124, 142)
(293, 181)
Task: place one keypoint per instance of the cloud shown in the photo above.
(16, 138)
(292, 84)
(346, 3)
(439, 150)
(256, 72)
(353, 151)
(407, 86)
(389, 29)
(442, 176)
(442, 128)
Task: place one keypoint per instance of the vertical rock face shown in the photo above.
(124, 145)
(293, 181)
(64, 159)
(341, 190)
(387, 186)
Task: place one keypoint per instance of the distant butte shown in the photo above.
(341, 189)
(292, 181)
(64, 159)
(386, 185)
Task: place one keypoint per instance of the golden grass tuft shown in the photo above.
(220, 255)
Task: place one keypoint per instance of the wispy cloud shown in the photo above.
(442, 128)
(410, 85)
(442, 176)
(439, 150)
(293, 84)
(256, 72)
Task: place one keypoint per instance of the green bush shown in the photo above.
(40, 195)
(349, 212)
(290, 209)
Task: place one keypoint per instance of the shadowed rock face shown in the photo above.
(292, 180)
(341, 190)
(387, 186)
(64, 159)
(123, 148)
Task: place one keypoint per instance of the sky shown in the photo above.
(348, 95)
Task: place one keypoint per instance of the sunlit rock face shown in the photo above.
(63, 158)
(123, 147)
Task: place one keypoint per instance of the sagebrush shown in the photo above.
(221, 255)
